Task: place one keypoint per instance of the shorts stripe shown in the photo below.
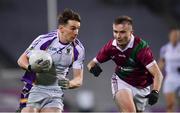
(114, 85)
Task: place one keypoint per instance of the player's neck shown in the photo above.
(174, 44)
(62, 39)
(122, 46)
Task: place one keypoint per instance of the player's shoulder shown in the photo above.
(48, 36)
(109, 43)
(140, 42)
(165, 46)
(44, 40)
(77, 43)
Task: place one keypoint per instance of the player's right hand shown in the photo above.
(96, 70)
(41, 66)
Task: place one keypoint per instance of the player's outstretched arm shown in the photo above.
(158, 77)
(154, 95)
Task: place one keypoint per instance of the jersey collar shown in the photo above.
(130, 44)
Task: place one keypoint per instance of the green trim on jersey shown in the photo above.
(138, 47)
(130, 64)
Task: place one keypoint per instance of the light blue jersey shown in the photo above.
(46, 92)
(63, 55)
(171, 55)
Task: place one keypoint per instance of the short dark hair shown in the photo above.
(68, 14)
(121, 19)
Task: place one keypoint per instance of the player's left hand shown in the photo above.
(152, 97)
(96, 70)
(64, 83)
(41, 66)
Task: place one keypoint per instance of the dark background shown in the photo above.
(21, 21)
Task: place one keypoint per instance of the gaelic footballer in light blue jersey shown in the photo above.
(170, 61)
(43, 91)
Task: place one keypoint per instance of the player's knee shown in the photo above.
(51, 110)
(170, 105)
(29, 109)
(127, 108)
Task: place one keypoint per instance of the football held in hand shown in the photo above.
(40, 61)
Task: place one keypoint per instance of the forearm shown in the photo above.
(23, 61)
(75, 83)
(91, 64)
(77, 79)
(157, 82)
(158, 77)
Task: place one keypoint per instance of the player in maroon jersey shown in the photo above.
(135, 69)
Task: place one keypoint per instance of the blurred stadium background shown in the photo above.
(23, 20)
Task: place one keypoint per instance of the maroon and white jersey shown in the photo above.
(131, 62)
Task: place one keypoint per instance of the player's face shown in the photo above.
(174, 36)
(122, 33)
(70, 30)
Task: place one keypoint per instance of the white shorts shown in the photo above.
(45, 96)
(138, 94)
(171, 85)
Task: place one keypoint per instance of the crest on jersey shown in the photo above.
(31, 48)
(68, 50)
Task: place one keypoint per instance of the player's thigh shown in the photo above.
(29, 110)
(170, 98)
(139, 97)
(124, 100)
(170, 88)
(53, 102)
(122, 94)
(51, 109)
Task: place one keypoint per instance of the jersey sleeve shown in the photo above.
(145, 56)
(78, 64)
(36, 44)
(104, 54)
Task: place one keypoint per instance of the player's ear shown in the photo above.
(61, 28)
